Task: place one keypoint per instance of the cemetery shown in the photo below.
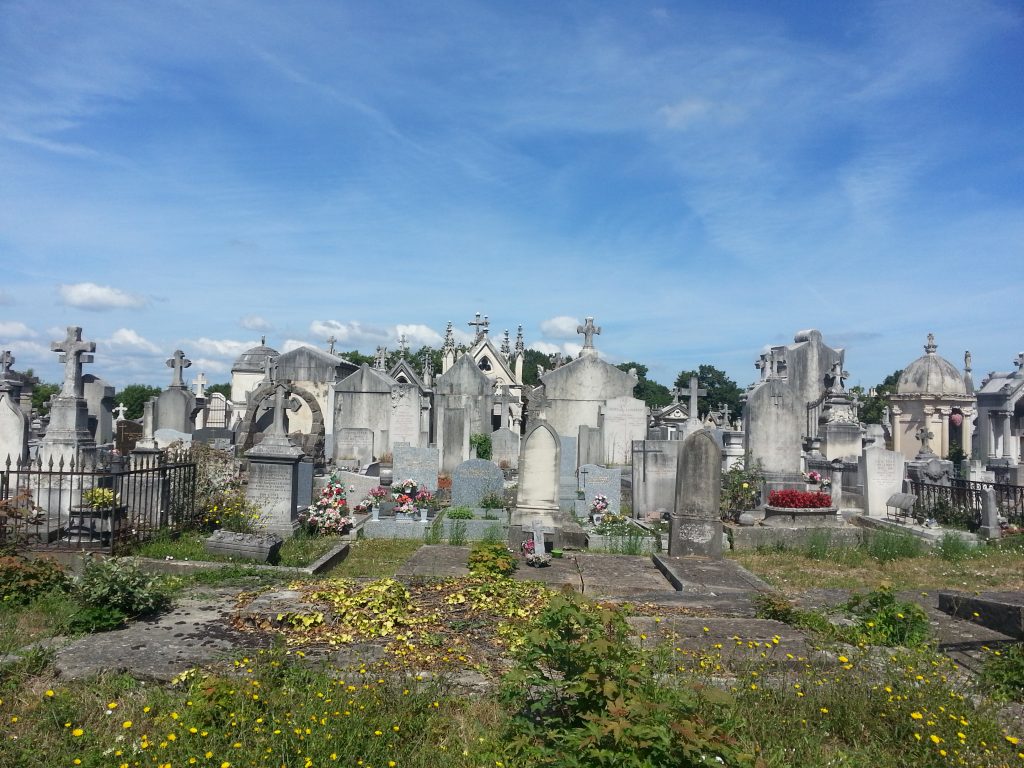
(474, 510)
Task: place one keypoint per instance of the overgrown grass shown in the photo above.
(298, 551)
(45, 616)
(376, 557)
(887, 557)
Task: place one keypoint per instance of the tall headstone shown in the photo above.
(696, 527)
(539, 465)
(67, 437)
(99, 402)
(623, 420)
(455, 441)
(655, 463)
(475, 479)
(176, 406)
(882, 473)
(274, 470)
(505, 447)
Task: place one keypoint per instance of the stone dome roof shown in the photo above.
(253, 360)
(931, 374)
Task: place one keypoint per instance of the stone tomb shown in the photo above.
(655, 463)
(353, 446)
(473, 480)
(696, 527)
(623, 420)
(419, 464)
(596, 479)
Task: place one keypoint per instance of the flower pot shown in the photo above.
(375, 512)
(87, 524)
(262, 547)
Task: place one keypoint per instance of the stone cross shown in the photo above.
(6, 361)
(583, 478)
(481, 326)
(270, 370)
(505, 400)
(200, 383)
(177, 363)
(924, 435)
(695, 392)
(282, 403)
(330, 344)
(1019, 362)
(120, 413)
(75, 352)
(588, 330)
(725, 414)
(403, 345)
(382, 356)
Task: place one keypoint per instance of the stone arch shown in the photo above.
(312, 444)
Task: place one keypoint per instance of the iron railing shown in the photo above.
(960, 503)
(107, 504)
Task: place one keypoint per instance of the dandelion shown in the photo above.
(126, 724)
(49, 694)
(77, 732)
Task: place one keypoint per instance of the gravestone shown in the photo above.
(595, 479)
(418, 464)
(455, 446)
(67, 436)
(13, 427)
(404, 425)
(882, 473)
(274, 470)
(126, 436)
(353, 446)
(655, 463)
(99, 402)
(623, 420)
(176, 406)
(539, 475)
(505, 447)
(696, 526)
(474, 479)
(590, 446)
(165, 437)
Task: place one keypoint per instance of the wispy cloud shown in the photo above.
(128, 339)
(255, 323)
(98, 298)
(13, 329)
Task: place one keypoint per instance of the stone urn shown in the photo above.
(261, 547)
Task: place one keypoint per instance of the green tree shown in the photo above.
(224, 389)
(721, 390)
(358, 358)
(651, 392)
(531, 359)
(41, 395)
(873, 403)
(134, 397)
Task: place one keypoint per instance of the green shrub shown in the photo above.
(457, 533)
(119, 584)
(884, 620)
(96, 618)
(585, 696)
(459, 513)
(493, 501)
(741, 491)
(954, 549)
(482, 443)
(22, 579)
(1002, 675)
(492, 557)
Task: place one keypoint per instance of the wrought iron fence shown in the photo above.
(959, 504)
(106, 504)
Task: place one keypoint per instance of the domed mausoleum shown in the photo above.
(246, 374)
(932, 396)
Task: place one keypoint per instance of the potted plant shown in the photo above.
(94, 518)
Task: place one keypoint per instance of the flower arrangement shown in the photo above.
(599, 505)
(424, 497)
(813, 477)
(329, 513)
(527, 546)
(790, 499)
(364, 506)
(404, 503)
(378, 493)
(405, 487)
(99, 498)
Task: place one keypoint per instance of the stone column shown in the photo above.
(1007, 448)
(990, 432)
(897, 429)
(944, 414)
(836, 477)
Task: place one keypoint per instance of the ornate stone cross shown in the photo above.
(177, 363)
(588, 330)
(481, 326)
(695, 392)
(924, 434)
(725, 414)
(6, 361)
(403, 345)
(120, 413)
(200, 383)
(75, 352)
(270, 370)
(330, 344)
(283, 402)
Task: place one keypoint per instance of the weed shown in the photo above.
(954, 549)
(1002, 675)
(457, 533)
(492, 557)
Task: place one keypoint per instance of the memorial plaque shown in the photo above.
(606, 481)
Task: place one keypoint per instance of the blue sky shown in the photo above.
(704, 179)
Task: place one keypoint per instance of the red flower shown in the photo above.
(791, 499)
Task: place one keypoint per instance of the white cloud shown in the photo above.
(206, 365)
(567, 348)
(349, 334)
(419, 335)
(15, 330)
(127, 338)
(684, 113)
(222, 347)
(560, 327)
(290, 344)
(97, 297)
(255, 323)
